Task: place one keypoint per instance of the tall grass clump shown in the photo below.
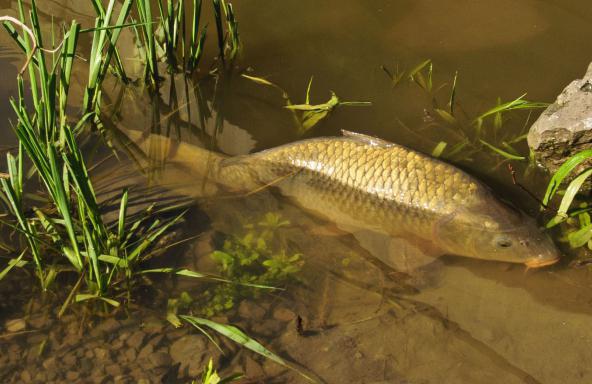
(170, 38)
(573, 208)
(473, 132)
(62, 229)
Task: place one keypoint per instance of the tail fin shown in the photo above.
(184, 168)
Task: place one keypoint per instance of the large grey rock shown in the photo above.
(565, 127)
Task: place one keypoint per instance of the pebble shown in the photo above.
(102, 353)
(69, 359)
(160, 359)
(114, 370)
(283, 314)
(253, 369)
(72, 375)
(15, 325)
(26, 376)
(136, 339)
(49, 363)
(146, 351)
(131, 354)
(249, 310)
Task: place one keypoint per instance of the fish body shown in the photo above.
(369, 183)
(365, 184)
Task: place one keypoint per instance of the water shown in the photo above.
(457, 321)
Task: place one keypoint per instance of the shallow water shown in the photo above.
(456, 321)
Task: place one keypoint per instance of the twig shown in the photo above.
(31, 35)
(515, 182)
(4, 175)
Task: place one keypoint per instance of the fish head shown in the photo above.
(492, 230)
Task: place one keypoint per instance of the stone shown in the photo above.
(49, 363)
(15, 325)
(113, 370)
(136, 339)
(250, 311)
(102, 353)
(26, 376)
(190, 352)
(108, 326)
(131, 354)
(69, 360)
(146, 351)
(565, 127)
(160, 359)
(253, 370)
(283, 314)
(72, 375)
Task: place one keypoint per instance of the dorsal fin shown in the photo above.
(370, 140)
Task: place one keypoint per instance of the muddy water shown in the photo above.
(348, 317)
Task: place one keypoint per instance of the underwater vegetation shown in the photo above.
(474, 131)
(258, 257)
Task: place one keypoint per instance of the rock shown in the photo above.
(113, 369)
(136, 339)
(108, 326)
(267, 327)
(26, 376)
(101, 353)
(72, 375)
(190, 352)
(49, 363)
(283, 314)
(131, 354)
(565, 127)
(15, 325)
(146, 351)
(250, 311)
(252, 369)
(69, 360)
(160, 359)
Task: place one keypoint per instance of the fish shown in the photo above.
(367, 185)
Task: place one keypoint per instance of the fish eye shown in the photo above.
(503, 242)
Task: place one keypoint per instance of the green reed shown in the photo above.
(179, 44)
(63, 229)
(573, 209)
(473, 133)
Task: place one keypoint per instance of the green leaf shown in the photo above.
(85, 297)
(499, 151)
(238, 336)
(563, 171)
(437, 152)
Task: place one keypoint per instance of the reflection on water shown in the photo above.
(348, 317)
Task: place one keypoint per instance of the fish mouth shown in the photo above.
(538, 263)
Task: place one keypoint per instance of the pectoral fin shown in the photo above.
(402, 253)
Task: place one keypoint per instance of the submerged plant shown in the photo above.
(482, 131)
(578, 217)
(253, 259)
(308, 115)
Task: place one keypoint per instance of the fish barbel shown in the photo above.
(370, 184)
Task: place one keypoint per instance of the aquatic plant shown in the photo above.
(254, 259)
(577, 217)
(474, 133)
(180, 45)
(307, 115)
(210, 376)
